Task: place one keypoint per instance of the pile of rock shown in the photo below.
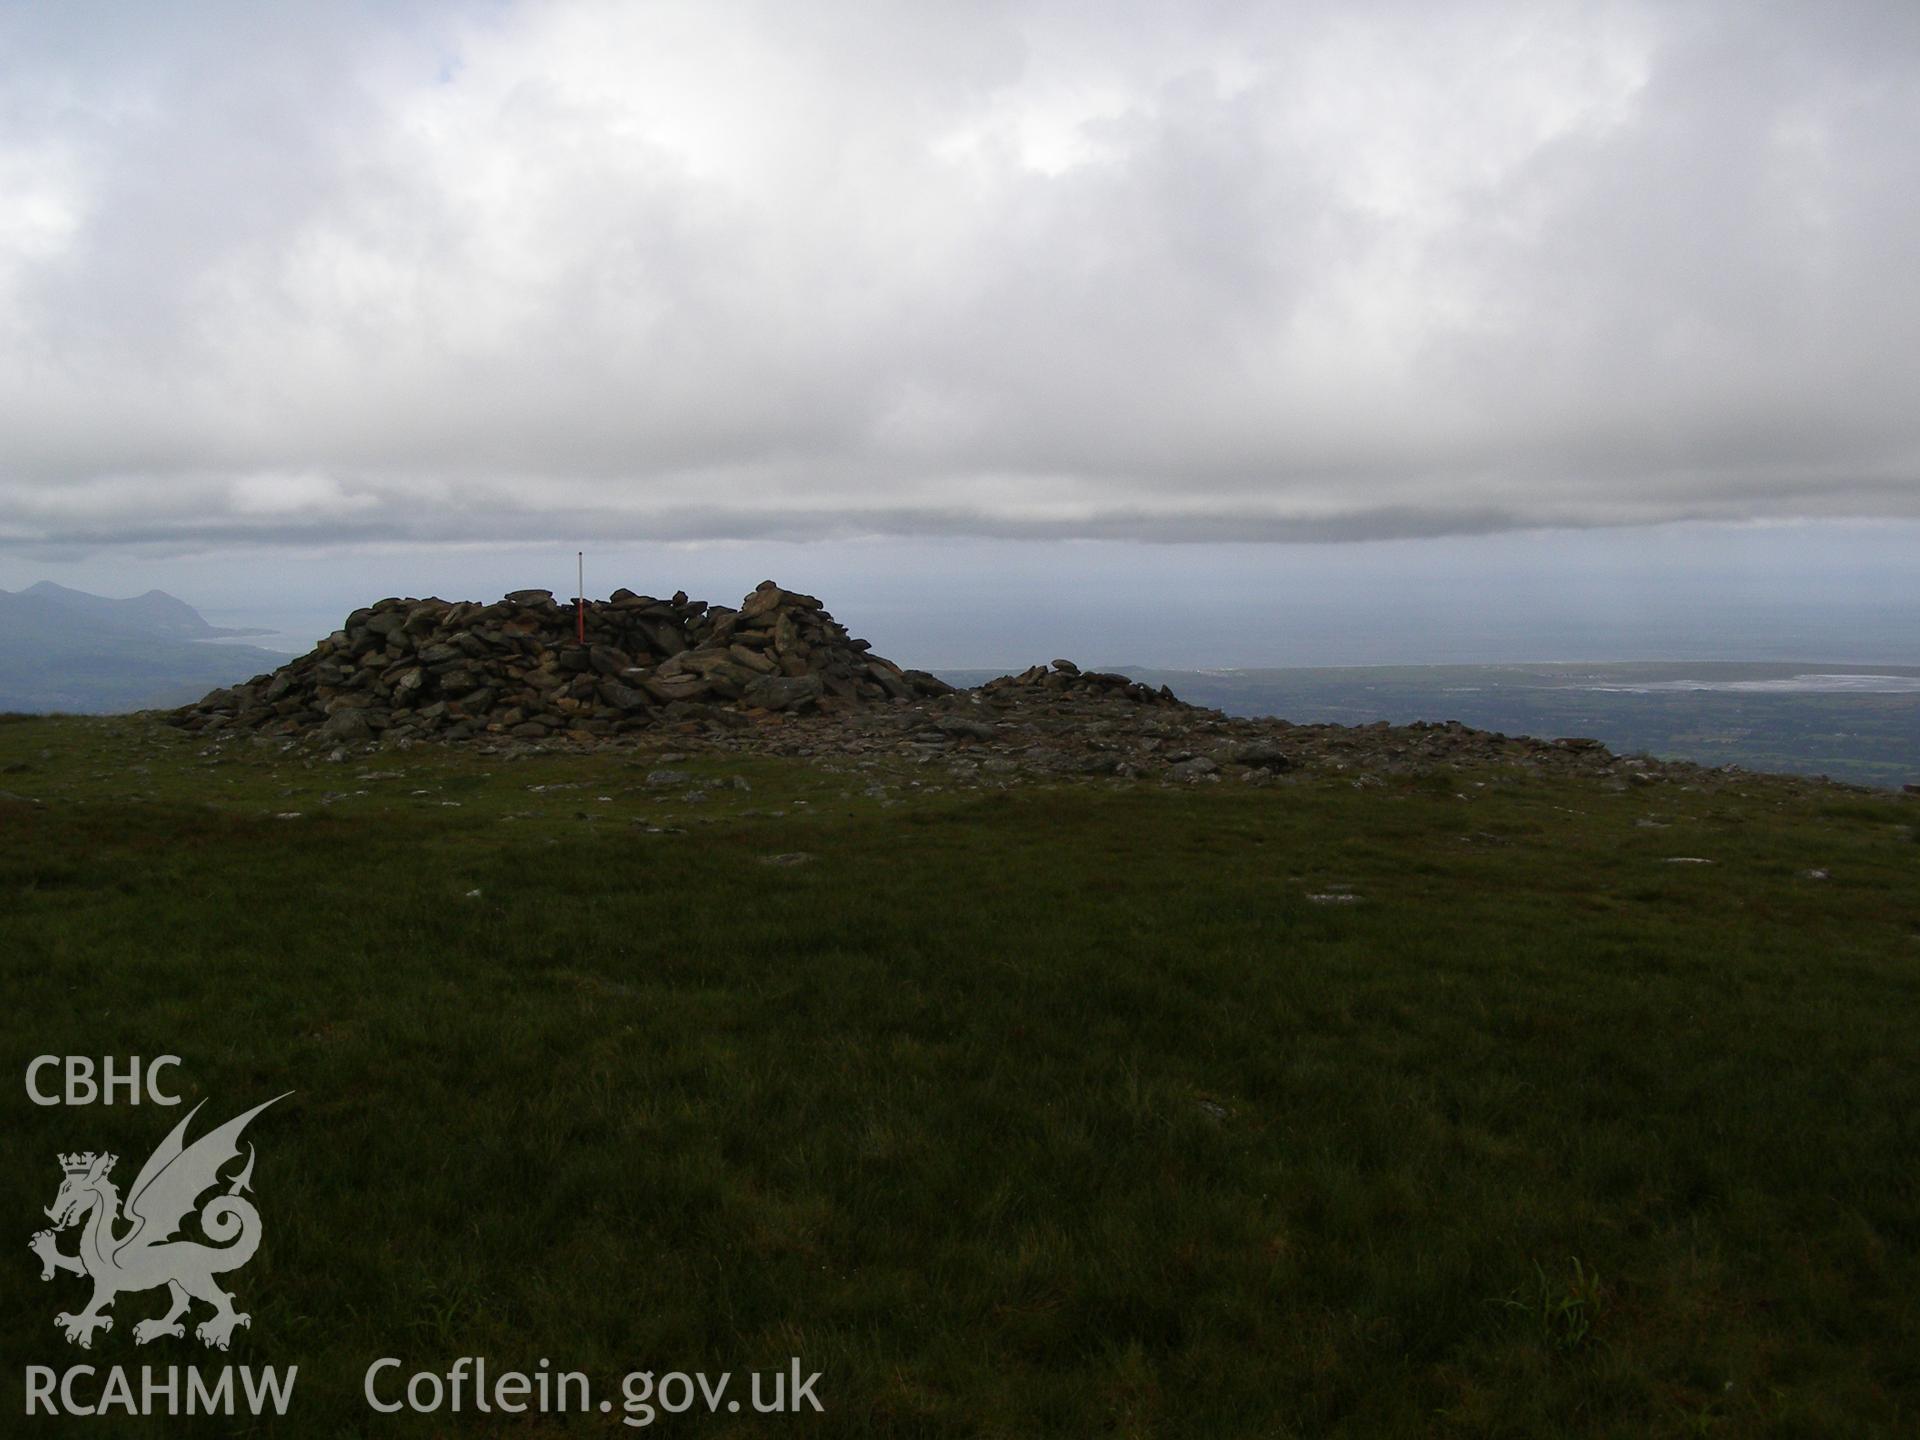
(518, 667)
(1068, 680)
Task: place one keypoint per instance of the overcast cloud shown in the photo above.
(315, 274)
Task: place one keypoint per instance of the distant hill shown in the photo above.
(154, 613)
(66, 650)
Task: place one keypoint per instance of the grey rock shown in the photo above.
(607, 660)
(783, 692)
(1259, 755)
(347, 724)
(621, 697)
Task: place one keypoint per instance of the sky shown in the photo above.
(1587, 325)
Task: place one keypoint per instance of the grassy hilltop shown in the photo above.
(1463, 1103)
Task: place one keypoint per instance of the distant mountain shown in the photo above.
(66, 650)
(154, 613)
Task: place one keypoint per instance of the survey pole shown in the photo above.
(580, 595)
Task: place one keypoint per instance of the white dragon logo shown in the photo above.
(148, 1254)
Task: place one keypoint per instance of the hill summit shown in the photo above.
(405, 668)
(155, 613)
(779, 675)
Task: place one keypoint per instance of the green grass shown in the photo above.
(1050, 1111)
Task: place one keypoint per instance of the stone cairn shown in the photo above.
(1068, 681)
(432, 668)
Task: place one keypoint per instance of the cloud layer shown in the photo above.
(1176, 271)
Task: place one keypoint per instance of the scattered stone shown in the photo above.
(962, 728)
(1257, 755)
(1197, 768)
